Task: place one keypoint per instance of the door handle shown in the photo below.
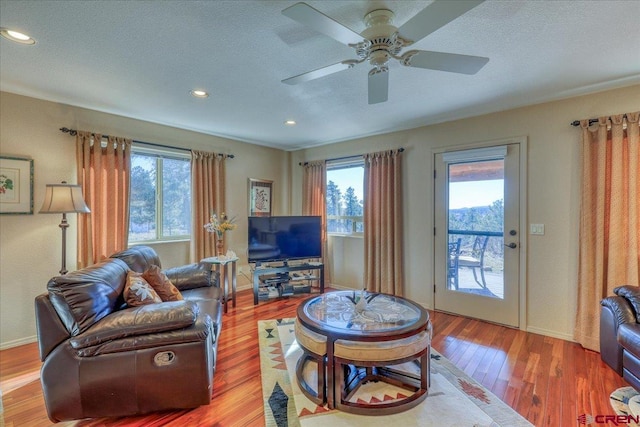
(512, 245)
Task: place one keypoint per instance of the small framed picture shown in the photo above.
(16, 185)
(260, 197)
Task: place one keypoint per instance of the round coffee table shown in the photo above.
(358, 344)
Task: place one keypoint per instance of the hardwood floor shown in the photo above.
(548, 381)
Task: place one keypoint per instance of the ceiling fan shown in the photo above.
(381, 41)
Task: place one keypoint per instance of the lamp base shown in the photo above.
(63, 226)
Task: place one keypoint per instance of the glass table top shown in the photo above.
(381, 313)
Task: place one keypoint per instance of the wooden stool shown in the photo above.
(314, 347)
(357, 362)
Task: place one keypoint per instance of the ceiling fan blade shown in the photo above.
(306, 15)
(436, 15)
(320, 72)
(451, 62)
(378, 86)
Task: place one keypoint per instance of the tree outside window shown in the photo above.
(160, 201)
(345, 208)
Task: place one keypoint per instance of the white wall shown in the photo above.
(553, 197)
(30, 245)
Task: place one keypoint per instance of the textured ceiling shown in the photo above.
(140, 59)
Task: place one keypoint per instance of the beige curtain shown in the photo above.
(207, 196)
(103, 173)
(383, 259)
(610, 218)
(314, 202)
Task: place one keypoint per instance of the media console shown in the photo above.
(279, 276)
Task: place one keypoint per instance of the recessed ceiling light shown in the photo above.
(199, 93)
(290, 122)
(16, 36)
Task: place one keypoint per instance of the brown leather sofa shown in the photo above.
(620, 333)
(102, 358)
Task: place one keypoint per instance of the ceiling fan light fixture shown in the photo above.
(199, 93)
(379, 58)
(16, 36)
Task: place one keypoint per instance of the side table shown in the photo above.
(222, 264)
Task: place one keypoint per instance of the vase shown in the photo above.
(219, 246)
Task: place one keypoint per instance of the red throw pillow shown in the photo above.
(161, 284)
(138, 292)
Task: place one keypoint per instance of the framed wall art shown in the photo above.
(260, 197)
(16, 185)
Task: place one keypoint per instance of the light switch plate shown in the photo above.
(536, 229)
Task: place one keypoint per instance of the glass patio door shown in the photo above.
(477, 233)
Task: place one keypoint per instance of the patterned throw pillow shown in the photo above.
(138, 292)
(161, 284)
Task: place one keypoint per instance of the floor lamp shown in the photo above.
(64, 198)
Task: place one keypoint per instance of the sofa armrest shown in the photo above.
(51, 330)
(621, 309)
(191, 276)
(614, 311)
(201, 331)
(137, 321)
(632, 295)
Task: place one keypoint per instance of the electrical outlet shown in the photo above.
(536, 229)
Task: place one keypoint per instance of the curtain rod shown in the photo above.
(401, 149)
(591, 121)
(74, 132)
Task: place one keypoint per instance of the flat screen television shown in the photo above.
(283, 238)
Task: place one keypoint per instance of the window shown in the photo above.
(160, 201)
(345, 196)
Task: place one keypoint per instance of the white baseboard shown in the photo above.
(549, 333)
(18, 342)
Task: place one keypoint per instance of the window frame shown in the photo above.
(160, 154)
(339, 164)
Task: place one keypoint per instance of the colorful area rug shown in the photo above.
(455, 399)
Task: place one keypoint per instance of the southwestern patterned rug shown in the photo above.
(455, 399)
(625, 401)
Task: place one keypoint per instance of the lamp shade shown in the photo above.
(63, 198)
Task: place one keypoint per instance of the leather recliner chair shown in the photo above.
(102, 358)
(620, 333)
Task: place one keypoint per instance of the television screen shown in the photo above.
(281, 238)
